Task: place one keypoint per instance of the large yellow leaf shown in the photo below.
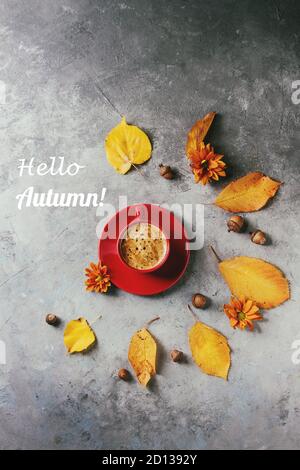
(125, 146)
(247, 194)
(198, 132)
(78, 336)
(142, 355)
(256, 280)
(210, 350)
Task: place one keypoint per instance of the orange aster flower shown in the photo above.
(242, 313)
(206, 164)
(98, 278)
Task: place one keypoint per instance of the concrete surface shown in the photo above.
(69, 68)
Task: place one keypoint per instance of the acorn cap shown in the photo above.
(124, 374)
(235, 223)
(199, 301)
(176, 355)
(52, 319)
(259, 237)
(166, 172)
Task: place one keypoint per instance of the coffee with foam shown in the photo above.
(143, 246)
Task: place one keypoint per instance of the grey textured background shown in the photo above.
(163, 64)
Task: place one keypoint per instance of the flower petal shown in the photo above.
(236, 303)
(247, 306)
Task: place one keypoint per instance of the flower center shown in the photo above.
(204, 164)
(98, 278)
(241, 316)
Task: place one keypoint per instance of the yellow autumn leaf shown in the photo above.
(78, 336)
(247, 194)
(210, 350)
(198, 132)
(256, 280)
(127, 146)
(142, 355)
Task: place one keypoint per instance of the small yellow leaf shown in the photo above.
(78, 336)
(198, 132)
(210, 350)
(256, 280)
(247, 194)
(125, 146)
(142, 355)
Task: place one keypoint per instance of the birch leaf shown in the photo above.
(256, 280)
(247, 194)
(127, 146)
(210, 350)
(142, 355)
(198, 132)
(78, 336)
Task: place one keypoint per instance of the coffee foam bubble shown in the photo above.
(144, 246)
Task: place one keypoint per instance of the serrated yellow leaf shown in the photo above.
(78, 336)
(256, 280)
(198, 132)
(127, 145)
(247, 194)
(210, 350)
(142, 355)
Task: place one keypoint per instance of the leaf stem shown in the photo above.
(127, 160)
(193, 313)
(96, 319)
(138, 170)
(151, 321)
(215, 254)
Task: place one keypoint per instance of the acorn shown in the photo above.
(52, 319)
(176, 355)
(199, 301)
(258, 237)
(124, 374)
(235, 223)
(166, 172)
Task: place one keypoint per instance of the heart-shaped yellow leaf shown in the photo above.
(256, 280)
(247, 194)
(210, 350)
(198, 132)
(78, 336)
(127, 146)
(142, 355)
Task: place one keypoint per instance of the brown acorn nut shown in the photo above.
(52, 319)
(259, 237)
(124, 374)
(235, 223)
(199, 301)
(176, 355)
(166, 172)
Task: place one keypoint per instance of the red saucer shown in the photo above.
(137, 282)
